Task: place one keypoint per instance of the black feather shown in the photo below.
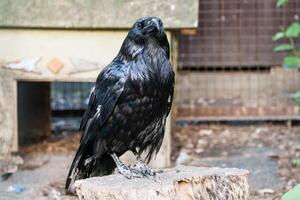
(129, 104)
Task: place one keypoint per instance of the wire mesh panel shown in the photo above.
(70, 95)
(228, 68)
(236, 33)
(68, 102)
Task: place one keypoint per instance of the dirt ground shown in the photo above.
(44, 171)
(271, 154)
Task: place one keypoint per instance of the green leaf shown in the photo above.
(293, 30)
(297, 95)
(291, 62)
(283, 47)
(278, 36)
(297, 100)
(296, 161)
(294, 194)
(281, 3)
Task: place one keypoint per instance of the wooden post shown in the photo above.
(181, 183)
(8, 105)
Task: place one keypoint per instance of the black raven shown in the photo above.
(128, 106)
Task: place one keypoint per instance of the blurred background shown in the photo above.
(237, 82)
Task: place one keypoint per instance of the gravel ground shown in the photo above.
(269, 152)
(43, 182)
(43, 173)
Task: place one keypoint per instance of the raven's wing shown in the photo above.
(103, 98)
(170, 100)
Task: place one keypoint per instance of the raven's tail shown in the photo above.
(88, 162)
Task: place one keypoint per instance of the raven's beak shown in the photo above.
(157, 25)
(153, 26)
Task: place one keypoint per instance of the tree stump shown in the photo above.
(182, 182)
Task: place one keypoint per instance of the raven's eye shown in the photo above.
(140, 24)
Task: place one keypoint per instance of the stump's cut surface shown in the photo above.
(180, 183)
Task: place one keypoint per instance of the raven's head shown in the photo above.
(144, 31)
(148, 27)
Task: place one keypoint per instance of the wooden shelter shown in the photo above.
(66, 40)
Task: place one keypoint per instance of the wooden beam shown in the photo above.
(96, 13)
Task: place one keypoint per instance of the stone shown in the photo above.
(182, 182)
(266, 191)
(9, 166)
(206, 132)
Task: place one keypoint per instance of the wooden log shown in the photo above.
(183, 182)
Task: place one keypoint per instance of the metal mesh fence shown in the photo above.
(228, 68)
(70, 95)
(235, 33)
(68, 102)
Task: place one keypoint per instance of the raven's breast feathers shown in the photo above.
(129, 104)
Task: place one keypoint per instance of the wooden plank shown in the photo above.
(8, 120)
(237, 112)
(96, 13)
(196, 120)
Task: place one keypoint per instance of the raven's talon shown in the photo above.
(150, 172)
(145, 170)
(129, 173)
(158, 179)
(136, 173)
(125, 172)
(155, 171)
